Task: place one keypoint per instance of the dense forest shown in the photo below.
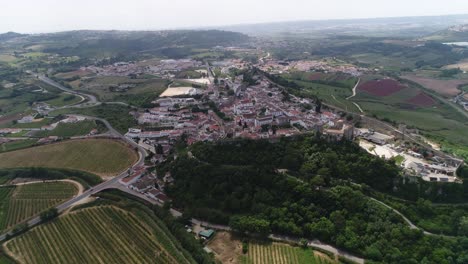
(308, 188)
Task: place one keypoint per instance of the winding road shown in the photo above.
(102, 186)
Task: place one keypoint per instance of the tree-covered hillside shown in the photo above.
(244, 183)
(94, 44)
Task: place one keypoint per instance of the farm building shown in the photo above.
(142, 185)
(206, 234)
(377, 138)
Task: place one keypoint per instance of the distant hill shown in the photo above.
(378, 27)
(10, 35)
(452, 34)
(176, 43)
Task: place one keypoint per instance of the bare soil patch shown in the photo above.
(227, 248)
(447, 88)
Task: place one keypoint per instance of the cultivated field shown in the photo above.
(25, 201)
(384, 87)
(103, 157)
(277, 253)
(447, 88)
(227, 249)
(422, 99)
(102, 234)
(17, 144)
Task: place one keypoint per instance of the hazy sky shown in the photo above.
(32, 16)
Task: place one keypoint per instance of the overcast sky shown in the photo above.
(33, 16)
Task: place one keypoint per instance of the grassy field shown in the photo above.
(73, 129)
(7, 58)
(330, 94)
(37, 124)
(17, 144)
(5, 260)
(24, 201)
(440, 121)
(277, 253)
(64, 99)
(103, 157)
(102, 234)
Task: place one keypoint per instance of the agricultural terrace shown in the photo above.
(19, 203)
(383, 87)
(277, 253)
(103, 234)
(446, 88)
(104, 157)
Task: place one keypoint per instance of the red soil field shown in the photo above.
(383, 87)
(422, 99)
(316, 76)
(341, 77)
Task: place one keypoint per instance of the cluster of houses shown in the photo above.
(258, 111)
(164, 68)
(149, 185)
(263, 111)
(174, 117)
(279, 67)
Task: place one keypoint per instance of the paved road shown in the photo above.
(92, 100)
(175, 213)
(317, 244)
(62, 207)
(114, 183)
(411, 224)
(105, 185)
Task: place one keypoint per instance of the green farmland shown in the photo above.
(103, 234)
(103, 157)
(18, 144)
(19, 203)
(439, 122)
